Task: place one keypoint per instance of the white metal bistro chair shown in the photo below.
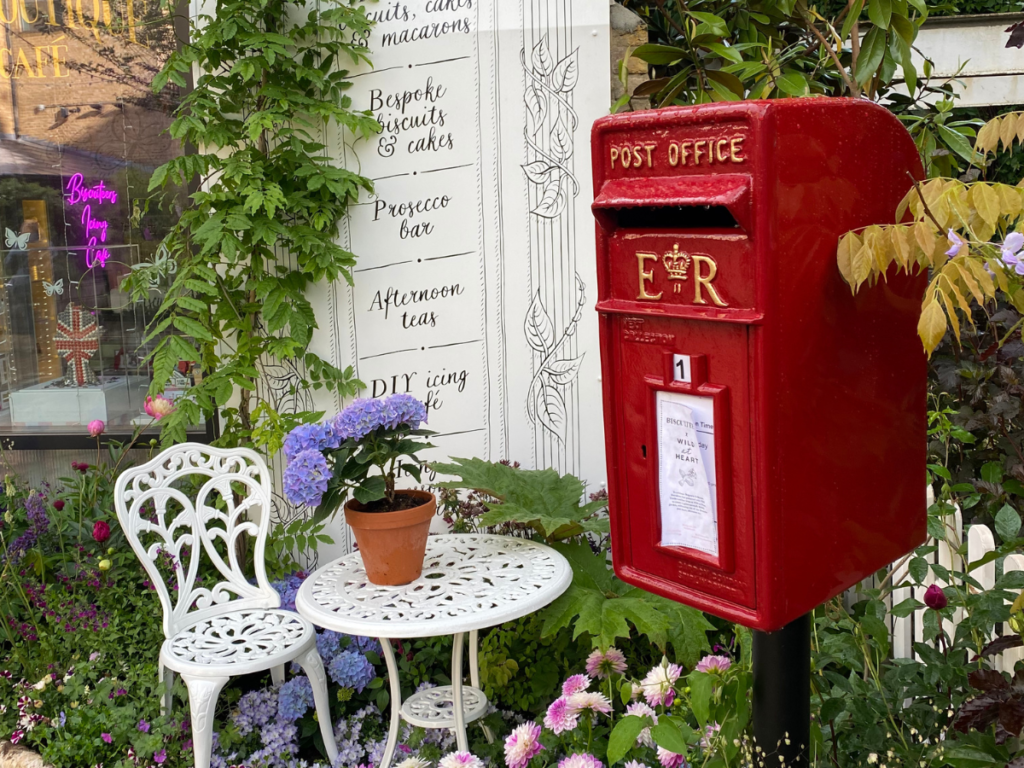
(216, 630)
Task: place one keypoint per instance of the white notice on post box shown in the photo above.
(686, 472)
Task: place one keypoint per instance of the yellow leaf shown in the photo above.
(1000, 274)
(932, 325)
(977, 280)
(1008, 130)
(1009, 198)
(1016, 298)
(988, 136)
(901, 209)
(901, 245)
(1020, 127)
(951, 312)
(849, 244)
(924, 233)
(956, 197)
(950, 274)
(964, 273)
(863, 260)
(986, 202)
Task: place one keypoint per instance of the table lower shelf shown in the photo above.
(435, 708)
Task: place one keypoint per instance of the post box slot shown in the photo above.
(677, 217)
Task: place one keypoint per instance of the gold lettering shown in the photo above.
(55, 49)
(673, 154)
(52, 20)
(130, 12)
(646, 276)
(615, 155)
(626, 157)
(24, 62)
(705, 280)
(5, 70)
(650, 148)
(735, 147)
(696, 152)
(39, 57)
(718, 150)
(638, 159)
(24, 13)
(4, 7)
(684, 146)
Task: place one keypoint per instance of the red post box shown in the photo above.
(765, 427)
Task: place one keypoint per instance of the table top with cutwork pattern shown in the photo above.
(469, 581)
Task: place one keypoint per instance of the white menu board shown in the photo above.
(476, 278)
(687, 478)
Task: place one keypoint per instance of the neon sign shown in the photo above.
(95, 228)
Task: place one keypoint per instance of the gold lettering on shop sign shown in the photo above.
(646, 276)
(704, 281)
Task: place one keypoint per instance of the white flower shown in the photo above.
(460, 760)
(872, 758)
(640, 709)
(41, 685)
(413, 762)
(658, 684)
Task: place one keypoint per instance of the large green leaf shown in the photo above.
(872, 51)
(541, 498)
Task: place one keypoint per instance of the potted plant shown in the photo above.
(327, 460)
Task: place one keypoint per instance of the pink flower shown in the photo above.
(935, 598)
(603, 665)
(58, 504)
(670, 759)
(17, 736)
(575, 684)
(658, 684)
(96, 428)
(580, 761)
(143, 726)
(710, 731)
(714, 664)
(955, 243)
(522, 745)
(635, 764)
(460, 760)
(560, 717)
(158, 406)
(101, 531)
(595, 702)
(107, 738)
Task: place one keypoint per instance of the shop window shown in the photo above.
(80, 135)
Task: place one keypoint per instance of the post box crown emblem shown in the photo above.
(676, 263)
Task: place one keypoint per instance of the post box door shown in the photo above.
(700, 369)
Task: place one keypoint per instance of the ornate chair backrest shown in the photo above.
(193, 503)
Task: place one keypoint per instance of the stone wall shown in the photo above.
(627, 31)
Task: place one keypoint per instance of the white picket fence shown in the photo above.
(905, 631)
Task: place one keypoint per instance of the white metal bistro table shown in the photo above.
(469, 582)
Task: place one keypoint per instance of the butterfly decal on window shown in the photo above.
(162, 264)
(14, 240)
(52, 288)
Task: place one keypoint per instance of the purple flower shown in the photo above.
(580, 761)
(308, 437)
(363, 416)
(294, 698)
(560, 716)
(143, 726)
(710, 731)
(522, 745)
(575, 684)
(404, 409)
(305, 478)
(350, 669)
(935, 598)
(1010, 251)
(713, 664)
(255, 710)
(955, 243)
(107, 738)
(160, 756)
(604, 664)
(328, 643)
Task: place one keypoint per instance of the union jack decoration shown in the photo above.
(77, 339)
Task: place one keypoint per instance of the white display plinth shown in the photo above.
(47, 406)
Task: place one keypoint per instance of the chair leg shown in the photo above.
(167, 700)
(314, 668)
(277, 674)
(202, 700)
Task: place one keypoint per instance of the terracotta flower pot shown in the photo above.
(392, 543)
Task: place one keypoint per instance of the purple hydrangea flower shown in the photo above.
(351, 669)
(404, 409)
(308, 437)
(287, 589)
(294, 698)
(328, 643)
(362, 417)
(364, 644)
(255, 710)
(305, 478)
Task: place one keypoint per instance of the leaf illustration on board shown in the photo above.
(551, 409)
(564, 372)
(542, 59)
(561, 140)
(552, 201)
(539, 172)
(567, 73)
(540, 333)
(536, 109)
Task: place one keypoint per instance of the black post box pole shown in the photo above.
(782, 694)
